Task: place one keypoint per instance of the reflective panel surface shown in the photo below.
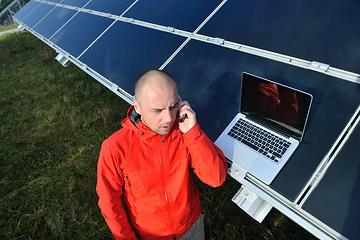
(116, 7)
(126, 51)
(80, 32)
(182, 14)
(209, 77)
(324, 31)
(27, 9)
(339, 191)
(53, 21)
(77, 3)
(37, 14)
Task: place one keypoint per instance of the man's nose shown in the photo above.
(168, 116)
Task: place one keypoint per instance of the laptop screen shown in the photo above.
(276, 104)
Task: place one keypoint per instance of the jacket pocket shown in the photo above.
(129, 198)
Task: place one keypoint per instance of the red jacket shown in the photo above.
(151, 173)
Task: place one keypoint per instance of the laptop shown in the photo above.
(268, 128)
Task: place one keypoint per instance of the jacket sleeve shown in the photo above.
(109, 189)
(207, 160)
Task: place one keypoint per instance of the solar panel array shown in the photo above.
(206, 45)
(82, 29)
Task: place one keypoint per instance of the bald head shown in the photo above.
(157, 79)
(157, 101)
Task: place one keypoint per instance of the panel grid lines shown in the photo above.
(63, 25)
(97, 38)
(332, 71)
(31, 11)
(44, 17)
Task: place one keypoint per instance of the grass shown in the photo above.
(52, 123)
(7, 27)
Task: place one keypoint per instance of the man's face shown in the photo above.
(158, 108)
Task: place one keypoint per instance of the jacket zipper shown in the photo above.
(164, 187)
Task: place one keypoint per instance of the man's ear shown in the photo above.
(136, 106)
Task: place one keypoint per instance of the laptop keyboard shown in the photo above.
(260, 140)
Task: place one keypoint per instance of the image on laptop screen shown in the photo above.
(275, 103)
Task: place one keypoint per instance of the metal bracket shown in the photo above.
(114, 87)
(170, 29)
(62, 60)
(319, 67)
(218, 41)
(84, 67)
(22, 28)
(252, 204)
(130, 20)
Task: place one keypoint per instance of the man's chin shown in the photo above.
(164, 130)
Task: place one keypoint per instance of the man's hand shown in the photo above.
(187, 116)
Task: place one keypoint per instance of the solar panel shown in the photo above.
(125, 45)
(28, 8)
(37, 14)
(110, 6)
(75, 36)
(182, 14)
(206, 45)
(319, 30)
(54, 21)
(54, 1)
(338, 191)
(77, 3)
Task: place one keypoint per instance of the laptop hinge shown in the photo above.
(283, 130)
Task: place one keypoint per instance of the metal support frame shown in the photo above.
(252, 204)
(7, 9)
(63, 60)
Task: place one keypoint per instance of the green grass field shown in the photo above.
(53, 121)
(8, 27)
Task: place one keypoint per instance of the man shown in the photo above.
(146, 163)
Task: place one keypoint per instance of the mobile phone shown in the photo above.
(183, 118)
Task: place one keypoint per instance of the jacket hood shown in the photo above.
(133, 120)
(133, 115)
